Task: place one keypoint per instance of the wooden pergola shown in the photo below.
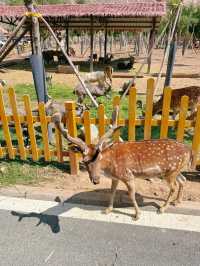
(136, 16)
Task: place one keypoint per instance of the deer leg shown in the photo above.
(113, 192)
(181, 180)
(175, 112)
(171, 193)
(131, 191)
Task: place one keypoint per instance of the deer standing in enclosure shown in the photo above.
(128, 160)
(193, 92)
(96, 91)
(101, 88)
(100, 77)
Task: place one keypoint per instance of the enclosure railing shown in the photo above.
(12, 142)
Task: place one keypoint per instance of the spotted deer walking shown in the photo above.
(125, 161)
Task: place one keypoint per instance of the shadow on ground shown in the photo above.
(50, 217)
(96, 198)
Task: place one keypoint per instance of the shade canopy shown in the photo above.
(131, 16)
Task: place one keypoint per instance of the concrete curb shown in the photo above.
(94, 197)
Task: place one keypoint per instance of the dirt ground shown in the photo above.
(189, 64)
(157, 189)
(153, 188)
(60, 184)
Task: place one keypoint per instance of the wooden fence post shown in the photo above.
(101, 118)
(1, 152)
(165, 113)
(196, 138)
(30, 124)
(71, 125)
(6, 131)
(182, 118)
(16, 119)
(44, 129)
(149, 109)
(59, 152)
(131, 113)
(87, 127)
(116, 102)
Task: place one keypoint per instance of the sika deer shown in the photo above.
(100, 76)
(193, 92)
(96, 91)
(126, 160)
(127, 64)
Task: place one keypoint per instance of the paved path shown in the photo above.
(35, 232)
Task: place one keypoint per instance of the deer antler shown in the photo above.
(56, 118)
(106, 137)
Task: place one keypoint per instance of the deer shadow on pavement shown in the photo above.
(88, 200)
(91, 200)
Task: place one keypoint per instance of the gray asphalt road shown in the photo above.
(61, 241)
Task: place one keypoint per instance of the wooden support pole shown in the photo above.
(105, 43)
(91, 45)
(15, 42)
(111, 42)
(82, 42)
(173, 43)
(13, 35)
(31, 37)
(120, 41)
(100, 44)
(37, 62)
(151, 45)
(35, 28)
(171, 60)
(67, 39)
(36, 36)
(132, 82)
(95, 42)
(36, 59)
(138, 42)
(70, 62)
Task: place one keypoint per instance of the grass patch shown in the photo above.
(12, 172)
(63, 93)
(57, 92)
(27, 172)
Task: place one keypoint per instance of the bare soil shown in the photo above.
(56, 183)
(153, 188)
(189, 64)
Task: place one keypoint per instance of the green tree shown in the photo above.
(189, 23)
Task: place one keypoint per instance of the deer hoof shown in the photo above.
(136, 217)
(161, 210)
(108, 210)
(175, 202)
